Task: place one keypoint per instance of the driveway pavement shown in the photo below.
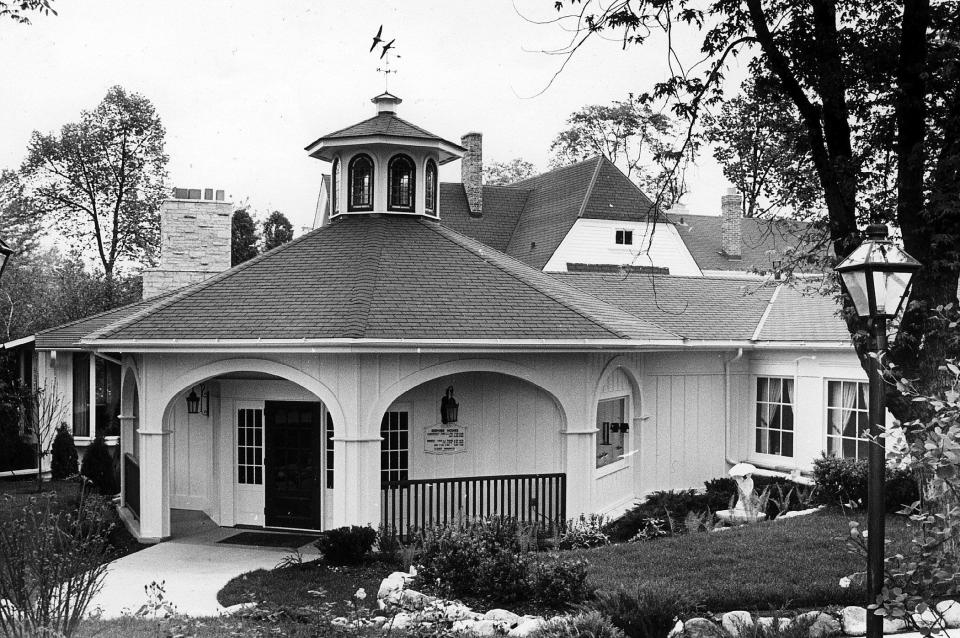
(193, 569)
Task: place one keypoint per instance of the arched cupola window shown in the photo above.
(401, 177)
(334, 188)
(360, 174)
(430, 188)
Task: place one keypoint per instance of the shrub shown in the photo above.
(842, 480)
(346, 545)
(648, 612)
(560, 581)
(97, 467)
(585, 625)
(52, 564)
(670, 506)
(584, 532)
(63, 454)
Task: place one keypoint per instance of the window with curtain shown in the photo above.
(107, 395)
(430, 187)
(612, 428)
(847, 419)
(81, 394)
(401, 175)
(360, 174)
(334, 184)
(774, 425)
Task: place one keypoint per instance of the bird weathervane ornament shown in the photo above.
(385, 54)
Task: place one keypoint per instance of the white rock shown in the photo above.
(737, 623)
(503, 616)
(457, 611)
(411, 599)
(768, 622)
(526, 627)
(927, 619)
(854, 622)
(677, 630)
(233, 609)
(950, 611)
(821, 624)
(484, 628)
(403, 620)
(462, 626)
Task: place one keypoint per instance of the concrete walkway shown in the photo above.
(194, 569)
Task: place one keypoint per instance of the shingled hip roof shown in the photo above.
(388, 279)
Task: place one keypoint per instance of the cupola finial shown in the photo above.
(386, 102)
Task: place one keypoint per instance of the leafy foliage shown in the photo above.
(845, 481)
(584, 532)
(346, 545)
(591, 623)
(645, 612)
(277, 230)
(100, 181)
(63, 454)
(17, 10)
(243, 237)
(506, 173)
(52, 564)
(629, 134)
(97, 467)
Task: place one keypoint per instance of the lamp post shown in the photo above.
(5, 252)
(876, 276)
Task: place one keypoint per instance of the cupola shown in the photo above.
(385, 165)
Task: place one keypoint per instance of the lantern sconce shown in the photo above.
(198, 404)
(448, 407)
(777, 265)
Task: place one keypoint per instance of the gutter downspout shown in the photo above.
(726, 406)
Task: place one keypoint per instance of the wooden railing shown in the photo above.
(422, 503)
(131, 486)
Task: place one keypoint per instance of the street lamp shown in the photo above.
(876, 277)
(5, 252)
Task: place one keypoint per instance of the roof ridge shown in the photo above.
(190, 289)
(516, 222)
(364, 317)
(557, 169)
(477, 249)
(589, 192)
(766, 313)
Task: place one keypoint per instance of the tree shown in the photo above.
(243, 237)
(629, 134)
(875, 86)
(16, 10)
(101, 180)
(758, 140)
(506, 173)
(63, 454)
(277, 230)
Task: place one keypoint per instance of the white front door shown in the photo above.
(248, 463)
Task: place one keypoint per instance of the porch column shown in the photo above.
(580, 467)
(357, 481)
(154, 475)
(126, 447)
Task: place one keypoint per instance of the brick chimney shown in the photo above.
(194, 240)
(471, 171)
(731, 224)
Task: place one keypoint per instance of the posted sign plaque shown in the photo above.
(445, 439)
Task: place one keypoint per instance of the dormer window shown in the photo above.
(334, 187)
(624, 237)
(430, 188)
(361, 184)
(401, 178)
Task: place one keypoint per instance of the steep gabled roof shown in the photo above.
(702, 236)
(502, 207)
(381, 278)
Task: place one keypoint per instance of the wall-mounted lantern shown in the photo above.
(198, 403)
(449, 407)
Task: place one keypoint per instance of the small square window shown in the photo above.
(624, 237)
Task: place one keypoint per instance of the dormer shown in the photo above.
(384, 165)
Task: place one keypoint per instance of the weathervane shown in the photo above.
(384, 55)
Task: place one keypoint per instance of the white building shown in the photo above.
(305, 388)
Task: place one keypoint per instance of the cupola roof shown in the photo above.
(384, 128)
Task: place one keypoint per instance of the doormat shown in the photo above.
(269, 539)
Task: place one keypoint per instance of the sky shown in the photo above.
(243, 86)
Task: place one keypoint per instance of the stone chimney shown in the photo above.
(471, 171)
(194, 240)
(731, 224)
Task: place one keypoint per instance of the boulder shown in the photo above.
(403, 620)
(412, 600)
(702, 628)
(527, 626)
(950, 611)
(234, 609)
(768, 622)
(458, 611)
(676, 631)
(502, 616)
(737, 623)
(484, 628)
(854, 622)
(821, 624)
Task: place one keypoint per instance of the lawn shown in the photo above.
(794, 563)
(15, 494)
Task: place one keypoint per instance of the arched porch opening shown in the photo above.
(129, 441)
(502, 455)
(249, 443)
